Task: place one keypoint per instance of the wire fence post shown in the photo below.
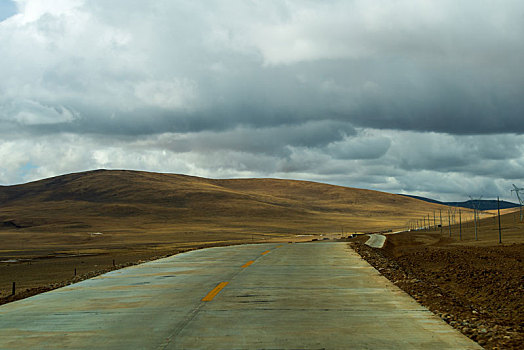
(475, 216)
(440, 210)
(449, 222)
(460, 224)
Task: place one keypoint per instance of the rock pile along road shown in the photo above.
(308, 295)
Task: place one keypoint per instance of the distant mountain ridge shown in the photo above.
(483, 204)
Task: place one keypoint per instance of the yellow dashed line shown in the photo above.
(215, 291)
(248, 263)
(267, 251)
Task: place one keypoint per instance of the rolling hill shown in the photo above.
(90, 222)
(132, 201)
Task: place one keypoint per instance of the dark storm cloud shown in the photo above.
(396, 95)
(453, 68)
(359, 148)
(272, 140)
(498, 155)
(457, 104)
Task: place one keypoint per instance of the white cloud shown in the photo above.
(32, 10)
(29, 112)
(173, 94)
(356, 29)
(426, 172)
(419, 96)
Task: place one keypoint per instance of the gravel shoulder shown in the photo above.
(477, 289)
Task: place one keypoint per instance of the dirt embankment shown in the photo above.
(477, 289)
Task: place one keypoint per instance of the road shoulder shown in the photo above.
(431, 276)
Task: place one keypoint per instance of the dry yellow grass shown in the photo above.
(51, 222)
(140, 202)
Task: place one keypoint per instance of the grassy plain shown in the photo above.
(86, 220)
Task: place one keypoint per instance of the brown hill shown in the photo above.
(86, 223)
(135, 201)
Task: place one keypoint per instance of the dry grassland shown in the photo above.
(50, 227)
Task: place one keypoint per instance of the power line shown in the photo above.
(517, 190)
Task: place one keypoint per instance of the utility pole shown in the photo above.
(498, 211)
(478, 216)
(434, 221)
(476, 206)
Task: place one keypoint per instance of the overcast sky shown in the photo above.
(419, 97)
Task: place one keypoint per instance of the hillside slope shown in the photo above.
(91, 222)
(137, 201)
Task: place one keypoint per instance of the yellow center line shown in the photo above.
(267, 251)
(248, 263)
(215, 291)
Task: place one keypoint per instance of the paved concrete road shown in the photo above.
(293, 296)
(376, 241)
